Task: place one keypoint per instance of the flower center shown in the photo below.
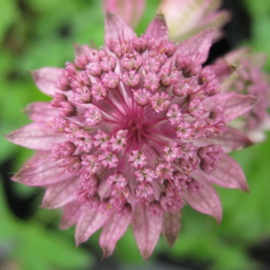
(137, 132)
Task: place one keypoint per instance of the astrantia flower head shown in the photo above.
(240, 71)
(133, 132)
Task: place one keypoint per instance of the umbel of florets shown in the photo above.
(134, 131)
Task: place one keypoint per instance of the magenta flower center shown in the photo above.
(137, 130)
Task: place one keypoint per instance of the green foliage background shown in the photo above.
(38, 33)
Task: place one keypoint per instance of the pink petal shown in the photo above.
(146, 229)
(59, 194)
(112, 232)
(45, 79)
(41, 112)
(40, 171)
(91, 219)
(158, 27)
(234, 104)
(232, 139)
(204, 200)
(115, 27)
(198, 46)
(171, 227)
(71, 215)
(227, 174)
(129, 10)
(35, 136)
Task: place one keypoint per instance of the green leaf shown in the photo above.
(8, 13)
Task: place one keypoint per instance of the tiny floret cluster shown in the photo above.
(134, 131)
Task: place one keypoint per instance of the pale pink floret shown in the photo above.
(151, 138)
(93, 116)
(174, 114)
(137, 159)
(142, 97)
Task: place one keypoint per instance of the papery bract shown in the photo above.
(129, 10)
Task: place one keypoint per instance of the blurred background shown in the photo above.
(39, 33)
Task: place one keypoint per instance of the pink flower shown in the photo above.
(134, 131)
(241, 72)
(186, 18)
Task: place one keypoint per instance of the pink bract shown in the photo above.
(135, 130)
(130, 11)
(186, 18)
